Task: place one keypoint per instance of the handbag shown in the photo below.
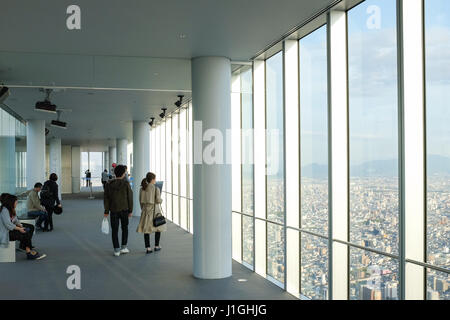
(159, 220)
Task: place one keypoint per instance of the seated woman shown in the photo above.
(12, 230)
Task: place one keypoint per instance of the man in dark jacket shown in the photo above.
(118, 200)
(50, 197)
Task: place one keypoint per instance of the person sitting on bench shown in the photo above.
(34, 207)
(12, 230)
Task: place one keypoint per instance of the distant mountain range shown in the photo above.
(379, 168)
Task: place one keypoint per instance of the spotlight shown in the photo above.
(46, 105)
(57, 123)
(163, 113)
(152, 120)
(4, 93)
(47, 131)
(179, 102)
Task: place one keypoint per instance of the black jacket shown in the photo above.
(118, 196)
(49, 193)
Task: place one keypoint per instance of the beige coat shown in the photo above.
(150, 200)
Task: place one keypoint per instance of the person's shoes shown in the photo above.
(157, 248)
(117, 253)
(125, 251)
(149, 250)
(34, 255)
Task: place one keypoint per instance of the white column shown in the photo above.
(112, 156)
(338, 150)
(55, 160)
(76, 168)
(141, 159)
(413, 204)
(35, 152)
(211, 97)
(122, 145)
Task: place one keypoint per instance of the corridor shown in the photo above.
(77, 240)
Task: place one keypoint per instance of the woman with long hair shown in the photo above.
(150, 200)
(12, 230)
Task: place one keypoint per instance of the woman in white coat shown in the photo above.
(150, 200)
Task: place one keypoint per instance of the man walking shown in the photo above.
(118, 200)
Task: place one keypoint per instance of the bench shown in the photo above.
(8, 254)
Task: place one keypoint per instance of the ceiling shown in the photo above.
(127, 45)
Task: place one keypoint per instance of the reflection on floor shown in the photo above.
(77, 240)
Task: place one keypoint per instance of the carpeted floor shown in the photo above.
(77, 240)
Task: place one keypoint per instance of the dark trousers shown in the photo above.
(147, 239)
(41, 215)
(122, 218)
(24, 238)
(49, 220)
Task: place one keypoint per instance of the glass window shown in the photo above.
(247, 140)
(437, 57)
(373, 276)
(275, 251)
(314, 267)
(314, 131)
(373, 132)
(274, 138)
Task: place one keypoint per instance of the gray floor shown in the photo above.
(77, 240)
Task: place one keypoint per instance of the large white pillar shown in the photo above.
(112, 151)
(35, 152)
(121, 147)
(76, 168)
(141, 159)
(55, 160)
(211, 98)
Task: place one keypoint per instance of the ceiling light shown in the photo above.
(179, 102)
(4, 93)
(46, 105)
(152, 120)
(163, 113)
(58, 123)
(182, 36)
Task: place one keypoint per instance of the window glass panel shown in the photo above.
(247, 140)
(183, 153)
(274, 138)
(247, 240)
(314, 267)
(373, 132)
(275, 251)
(438, 285)
(373, 276)
(314, 131)
(169, 155)
(437, 50)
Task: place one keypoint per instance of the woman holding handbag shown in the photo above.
(151, 216)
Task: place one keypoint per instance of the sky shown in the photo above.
(373, 84)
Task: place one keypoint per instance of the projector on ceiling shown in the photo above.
(4, 93)
(58, 124)
(45, 106)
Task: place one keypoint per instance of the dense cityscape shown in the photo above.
(374, 215)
